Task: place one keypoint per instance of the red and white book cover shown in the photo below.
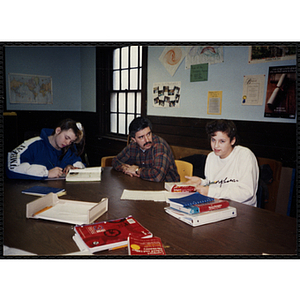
(198, 208)
(179, 187)
(216, 204)
(150, 246)
(182, 189)
(108, 234)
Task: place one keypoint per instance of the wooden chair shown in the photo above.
(106, 161)
(273, 187)
(184, 168)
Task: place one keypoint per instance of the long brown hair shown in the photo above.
(78, 129)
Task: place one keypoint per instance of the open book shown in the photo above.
(87, 174)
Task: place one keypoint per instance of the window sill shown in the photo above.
(111, 137)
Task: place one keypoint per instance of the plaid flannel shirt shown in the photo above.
(156, 164)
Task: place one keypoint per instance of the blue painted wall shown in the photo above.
(226, 77)
(73, 72)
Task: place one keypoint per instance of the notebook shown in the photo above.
(39, 190)
(193, 199)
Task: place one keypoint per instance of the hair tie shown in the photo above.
(79, 126)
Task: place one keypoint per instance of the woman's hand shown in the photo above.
(68, 168)
(194, 180)
(202, 189)
(55, 172)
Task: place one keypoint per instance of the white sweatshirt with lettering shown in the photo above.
(234, 177)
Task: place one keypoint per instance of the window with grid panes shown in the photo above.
(126, 94)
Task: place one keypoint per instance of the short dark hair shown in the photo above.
(222, 125)
(138, 124)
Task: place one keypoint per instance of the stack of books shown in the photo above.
(108, 235)
(115, 234)
(196, 209)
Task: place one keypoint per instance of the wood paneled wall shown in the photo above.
(29, 123)
(265, 139)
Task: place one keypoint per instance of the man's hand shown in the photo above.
(130, 170)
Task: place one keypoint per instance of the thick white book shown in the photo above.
(87, 174)
(203, 217)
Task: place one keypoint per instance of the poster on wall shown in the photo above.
(214, 103)
(199, 73)
(201, 55)
(171, 58)
(30, 89)
(166, 94)
(253, 90)
(260, 54)
(281, 92)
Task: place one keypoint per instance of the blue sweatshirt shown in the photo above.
(34, 157)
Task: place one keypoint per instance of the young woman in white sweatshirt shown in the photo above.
(231, 171)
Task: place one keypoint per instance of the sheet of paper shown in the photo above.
(144, 195)
(253, 90)
(171, 58)
(203, 54)
(74, 213)
(14, 251)
(199, 72)
(214, 103)
(162, 196)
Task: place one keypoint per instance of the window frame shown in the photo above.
(104, 87)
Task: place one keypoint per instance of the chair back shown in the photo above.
(106, 161)
(276, 167)
(184, 168)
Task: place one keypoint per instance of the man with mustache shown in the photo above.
(147, 156)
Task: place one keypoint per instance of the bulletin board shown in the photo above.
(230, 82)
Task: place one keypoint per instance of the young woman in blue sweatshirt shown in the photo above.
(50, 155)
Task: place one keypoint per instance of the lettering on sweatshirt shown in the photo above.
(225, 180)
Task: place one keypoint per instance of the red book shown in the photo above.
(216, 204)
(198, 208)
(182, 189)
(108, 234)
(151, 246)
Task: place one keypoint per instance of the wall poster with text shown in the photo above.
(281, 92)
(260, 54)
(214, 103)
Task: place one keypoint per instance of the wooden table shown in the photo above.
(253, 232)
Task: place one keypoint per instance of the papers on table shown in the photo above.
(69, 212)
(14, 251)
(50, 207)
(161, 196)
